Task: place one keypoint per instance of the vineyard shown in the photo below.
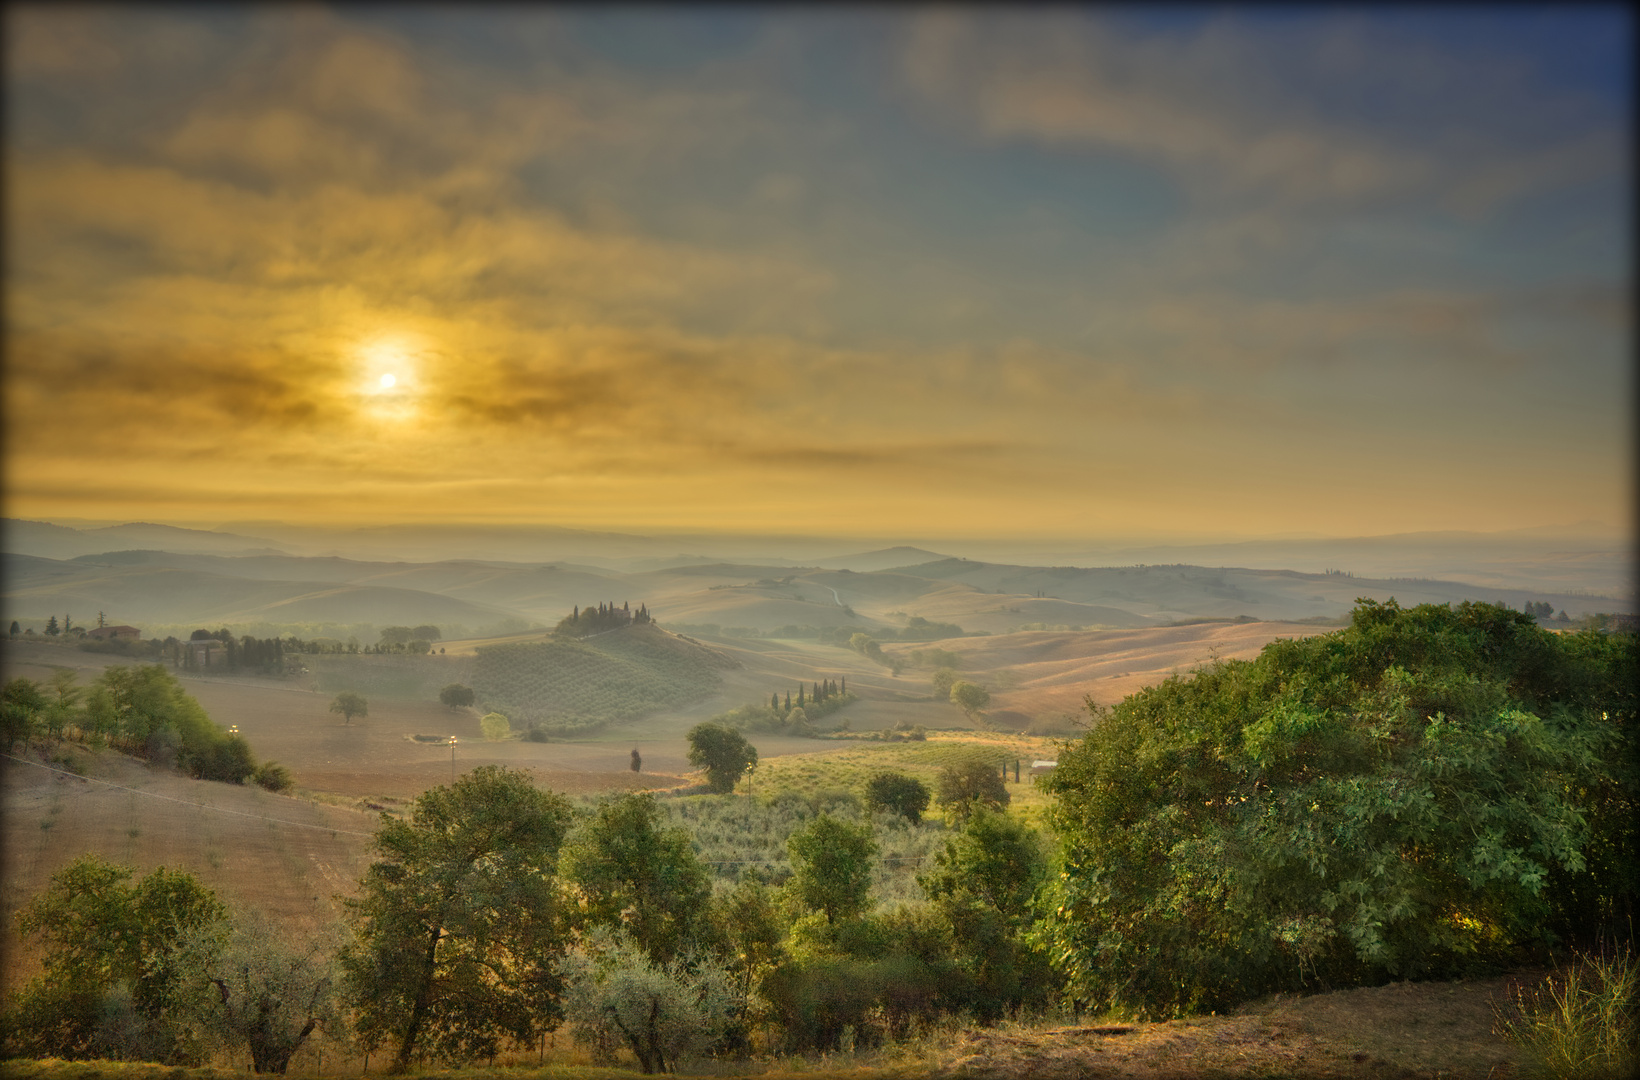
(566, 686)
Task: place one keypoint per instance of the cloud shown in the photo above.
(1229, 112)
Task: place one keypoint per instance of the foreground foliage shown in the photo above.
(120, 978)
(1398, 799)
(460, 926)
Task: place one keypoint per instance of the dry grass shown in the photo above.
(1579, 1022)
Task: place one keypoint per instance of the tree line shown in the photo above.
(142, 711)
(584, 622)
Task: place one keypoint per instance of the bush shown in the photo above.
(905, 795)
(495, 726)
(228, 759)
(273, 776)
(1399, 799)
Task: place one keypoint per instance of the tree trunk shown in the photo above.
(418, 1014)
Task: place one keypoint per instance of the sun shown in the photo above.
(387, 381)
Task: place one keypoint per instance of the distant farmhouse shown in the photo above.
(104, 633)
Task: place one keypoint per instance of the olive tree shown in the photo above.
(273, 992)
(617, 994)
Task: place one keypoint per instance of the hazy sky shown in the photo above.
(895, 270)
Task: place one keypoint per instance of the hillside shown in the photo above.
(564, 685)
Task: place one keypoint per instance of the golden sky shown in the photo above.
(898, 272)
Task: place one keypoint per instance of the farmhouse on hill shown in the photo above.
(103, 633)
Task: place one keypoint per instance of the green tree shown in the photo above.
(635, 876)
(16, 628)
(969, 697)
(637, 760)
(943, 680)
(116, 961)
(1396, 799)
(749, 929)
(21, 704)
(425, 632)
(723, 752)
(905, 795)
(61, 706)
(831, 867)
(983, 883)
(51, 626)
(350, 705)
(457, 696)
(459, 926)
(969, 784)
(495, 726)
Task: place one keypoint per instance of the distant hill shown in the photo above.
(885, 559)
(61, 542)
(566, 686)
(1183, 591)
(141, 593)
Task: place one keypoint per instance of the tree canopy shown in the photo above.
(905, 795)
(831, 867)
(116, 958)
(723, 752)
(460, 924)
(457, 696)
(350, 704)
(635, 875)
(1426, 787)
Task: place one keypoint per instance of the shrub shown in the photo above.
(227, 759)
(273, 776)
(495, 726)
(905, 795)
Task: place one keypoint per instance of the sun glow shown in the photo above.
(388, 388)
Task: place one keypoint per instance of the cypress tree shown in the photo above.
(774, 702)
(788, 701)
(799, 695)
